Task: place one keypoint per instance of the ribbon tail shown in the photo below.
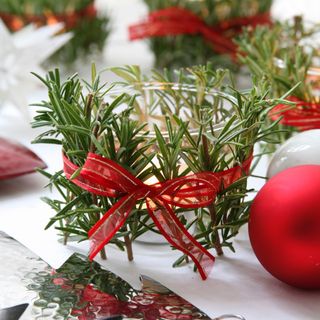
(104, 230)
(178, 236)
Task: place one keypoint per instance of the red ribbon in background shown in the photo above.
(104, 177)
(179, 21)
(303, 116)
(70, 19)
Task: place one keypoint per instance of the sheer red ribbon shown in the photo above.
(304, 115)
(70, 19)
(104, 177)
(178, 21)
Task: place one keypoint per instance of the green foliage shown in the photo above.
(186, 50)
(89, 34)
(281, 56)
(278, 53)
(82, 123)
(163, 126)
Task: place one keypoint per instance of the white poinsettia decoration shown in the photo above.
(22, 52)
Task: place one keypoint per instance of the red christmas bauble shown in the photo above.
(284, 226)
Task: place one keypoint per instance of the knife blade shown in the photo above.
(14, 312)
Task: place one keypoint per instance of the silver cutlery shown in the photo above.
(14, 312)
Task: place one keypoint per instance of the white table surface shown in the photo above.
(238, 284)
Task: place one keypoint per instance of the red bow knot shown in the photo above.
(178, 21)
(104, 177)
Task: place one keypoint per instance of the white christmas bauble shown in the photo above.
(301, 149)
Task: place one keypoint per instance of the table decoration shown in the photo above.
(120, 171)
(284, 226)
(185, 33)
(253, 282)
(301, 149)
(20, 53)
(82, 290)
(287, 55)
(17, 160)
(80, 17)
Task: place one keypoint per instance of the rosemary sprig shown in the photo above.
(281, 56)
(78, 118)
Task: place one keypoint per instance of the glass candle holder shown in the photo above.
(153, 107)
(161, 156)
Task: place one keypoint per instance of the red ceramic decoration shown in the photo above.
(284, 226)
(16, 160)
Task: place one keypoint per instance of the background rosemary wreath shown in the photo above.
(283, 55)
(90, 33)
(186, 50)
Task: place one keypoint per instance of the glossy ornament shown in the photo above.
(284, 226)
(302, 149)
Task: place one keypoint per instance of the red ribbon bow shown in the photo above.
(104, 177)
(304, 115)
(178, 21)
